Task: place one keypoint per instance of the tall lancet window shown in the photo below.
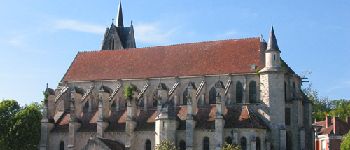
(148, 145)
(212, 96)
(244, 143)
(61, 145)
(252, 92)
(206, 143)
(182, 145)
(239, 92)
(185, 97)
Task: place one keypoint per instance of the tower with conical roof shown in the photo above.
(117, 36)
(272, 92)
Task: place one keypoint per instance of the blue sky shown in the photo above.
(40, 38)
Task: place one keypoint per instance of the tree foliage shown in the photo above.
(128, 91)
(323, 106)
(20, 127)
(231, 147)
(165, 145)
(8, 108)
(345, 144)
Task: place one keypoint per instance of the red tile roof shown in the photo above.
(235, 117)
(204, 58)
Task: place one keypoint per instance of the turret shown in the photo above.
(272, 92)
(272, 54)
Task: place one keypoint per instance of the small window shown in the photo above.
(155, 103)
(206, 143)
(182, 145)
(148, 145)
(141, 103)
(61, 145)
(212, 96)
(289, 142)
(285, 91)
(287, 116)
(252, 92)
(294, 90)
(239, 92)
(244, 143)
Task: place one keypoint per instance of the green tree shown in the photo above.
(8, 108)
(340, 108)
(165, 145)
(345, 144)
(20, 127)
(231, 147)
(320, 106)
(25, 129)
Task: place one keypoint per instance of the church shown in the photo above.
(197, 95)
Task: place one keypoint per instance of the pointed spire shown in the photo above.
(272, 44)
(120, 15)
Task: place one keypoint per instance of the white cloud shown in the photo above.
(79, 26)
(153, 33)
(16, 41)
(230, 34)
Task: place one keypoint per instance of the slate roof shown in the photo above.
(204, 58)
(235, 117)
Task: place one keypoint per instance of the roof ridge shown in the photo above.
(176, 44)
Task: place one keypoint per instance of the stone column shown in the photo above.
(190, 124)
(219, 123)
(73, 126)
(46, 126)
(282, 139)
(101, 123)
(130, 123)
(253, 143)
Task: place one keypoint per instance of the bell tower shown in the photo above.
(117, 36)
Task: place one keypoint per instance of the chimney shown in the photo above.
(334, 119)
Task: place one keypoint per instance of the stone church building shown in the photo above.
(197, 95)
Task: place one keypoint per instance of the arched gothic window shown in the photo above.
(212, 96)
(252, 92)
(182, 145)
(239, 92)
(86, 107)
(206, 143)
(184, 97)
(61, 145)
(228, 140)
(141, 103)
(244, 143)
(258, 143)
(148, 145)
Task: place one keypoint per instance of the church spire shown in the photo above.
(120, 15)
(272, 44)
